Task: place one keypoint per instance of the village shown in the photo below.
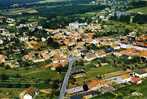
(102, 62)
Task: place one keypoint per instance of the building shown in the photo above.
(29, 93)
(2, 58)
(3, 31)
(76, 25)
(121, 79)
(37, 56)
(75, 90)
(27, 96)
(141, 41)
(78, 72)
(142, 73)
(90, 56)
(135, 80)
(134, 52)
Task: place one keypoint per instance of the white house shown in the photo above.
(29, 93)
(142, 73)
(27, 96)
(120, 80)
(76, 25)
(75, 90)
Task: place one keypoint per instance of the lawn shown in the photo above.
(93, 71)
(142, 10)
(10, 93)
(43, 74)
(18, 11)
(31, 74)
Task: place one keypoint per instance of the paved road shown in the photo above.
(66, 78)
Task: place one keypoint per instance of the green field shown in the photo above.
(30, 75)
(9, 93)
(93, 71)
(142, 10)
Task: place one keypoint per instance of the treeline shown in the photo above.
(62, 16)
(137, 4)
(32, 3)
(66, 10)
(137, 18)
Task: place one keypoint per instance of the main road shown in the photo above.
(71, 60)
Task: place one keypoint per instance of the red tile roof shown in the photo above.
(135, 79)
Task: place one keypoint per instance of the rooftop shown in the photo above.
(134, 52)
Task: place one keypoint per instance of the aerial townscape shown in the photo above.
(73, 49)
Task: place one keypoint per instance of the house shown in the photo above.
(28, 56)
(121, 79)
(130, 39)
(12, 63)
(29, 93)
(1, 41)
(141, 44)
(76, 25)
(24, 38)
(100, 53)
(90, 56)
(141, 41)
(122, 45)
(134, 52)
(32, 44)
(58, 56)
(78, 72)
(135, 80)
(142, 73)
(2, 58)
(58, 59)
(142, 38)
(44, 54)
(37, 56)
(2, 31)
(88, 37)
(76, 52)
(10, 20)
(27, 96)
(75, 90)
(2, 19)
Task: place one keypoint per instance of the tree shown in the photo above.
(4, 77)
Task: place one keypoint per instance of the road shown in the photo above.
(66, 78)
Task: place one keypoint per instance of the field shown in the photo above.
(19, 11)
(142, 10)
(10, 93)
(93, 72)
(30, 75)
